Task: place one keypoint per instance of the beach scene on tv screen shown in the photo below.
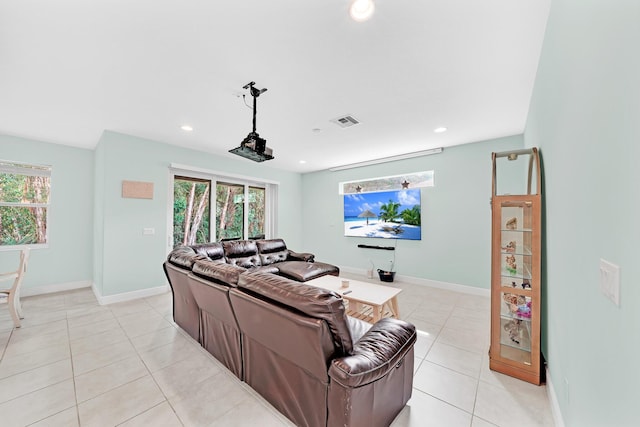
(385, 214)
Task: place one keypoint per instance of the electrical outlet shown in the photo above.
(610, 281)
(148, 231)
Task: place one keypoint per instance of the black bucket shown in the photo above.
(386, 276)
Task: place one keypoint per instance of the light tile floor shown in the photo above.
(75, 362)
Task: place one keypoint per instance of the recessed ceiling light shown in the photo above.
(440, 130)
(361, 10)
(186, 128)
(302, 162)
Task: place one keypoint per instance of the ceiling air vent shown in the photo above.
(345, 121)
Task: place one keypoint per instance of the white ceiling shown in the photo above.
(70, 69)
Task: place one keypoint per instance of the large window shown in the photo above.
(24, 203)
(231, 221)
(229, 211)
(238, 208)
(190, 211)
(257, 213)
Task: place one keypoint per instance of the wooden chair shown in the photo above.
(13, 293)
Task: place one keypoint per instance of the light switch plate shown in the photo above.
(610, 281)
(148, 231)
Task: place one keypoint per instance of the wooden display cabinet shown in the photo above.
(515, 266)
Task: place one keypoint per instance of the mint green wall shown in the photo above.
(456, 216)
(98, 217)
(128, 260)
(68, 257)
(585, 116)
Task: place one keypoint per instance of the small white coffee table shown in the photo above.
(366, 301)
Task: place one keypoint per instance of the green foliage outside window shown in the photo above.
(190, 212)
(256, 212)
(24, 200)
(229, 211)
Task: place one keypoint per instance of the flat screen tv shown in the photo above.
(385, 214)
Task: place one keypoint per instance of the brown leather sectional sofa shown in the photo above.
(271, 256)
(291, 342)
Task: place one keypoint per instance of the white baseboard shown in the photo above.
(128, 296)
(58, 287)
(428, 282)
(553, 401)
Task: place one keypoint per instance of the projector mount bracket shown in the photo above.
(255, 93)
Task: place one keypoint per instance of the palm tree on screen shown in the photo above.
(389, 211)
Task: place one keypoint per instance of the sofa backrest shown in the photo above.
(218, 272)
(214, 251)
(243, 253)
(272, 251)
(312, 301)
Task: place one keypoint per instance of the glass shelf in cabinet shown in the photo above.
(506, 315)
(516, 230)
(523, 252)
(523, 272)
(508, 285)
(516, 334)
(515, 307)
(518, 275)
(516, 345)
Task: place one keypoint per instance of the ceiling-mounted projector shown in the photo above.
(253, 147)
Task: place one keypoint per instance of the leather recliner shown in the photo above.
(315, 364)
(219, 333)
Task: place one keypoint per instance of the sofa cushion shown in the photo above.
(243, 253)
(357, 328)
(272, 251)
(213, 251)
(313, 301)
(273, 269)
(218, 272)
(183, 257)
(302, 271)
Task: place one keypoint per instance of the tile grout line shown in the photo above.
(6, 346)
(74, 387)
(166, 398)
(73, 373)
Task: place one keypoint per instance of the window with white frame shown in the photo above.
(212, 206)
(25, 191)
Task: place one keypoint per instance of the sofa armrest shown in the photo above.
(380, 350)
(300, 256)
(183, 257)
